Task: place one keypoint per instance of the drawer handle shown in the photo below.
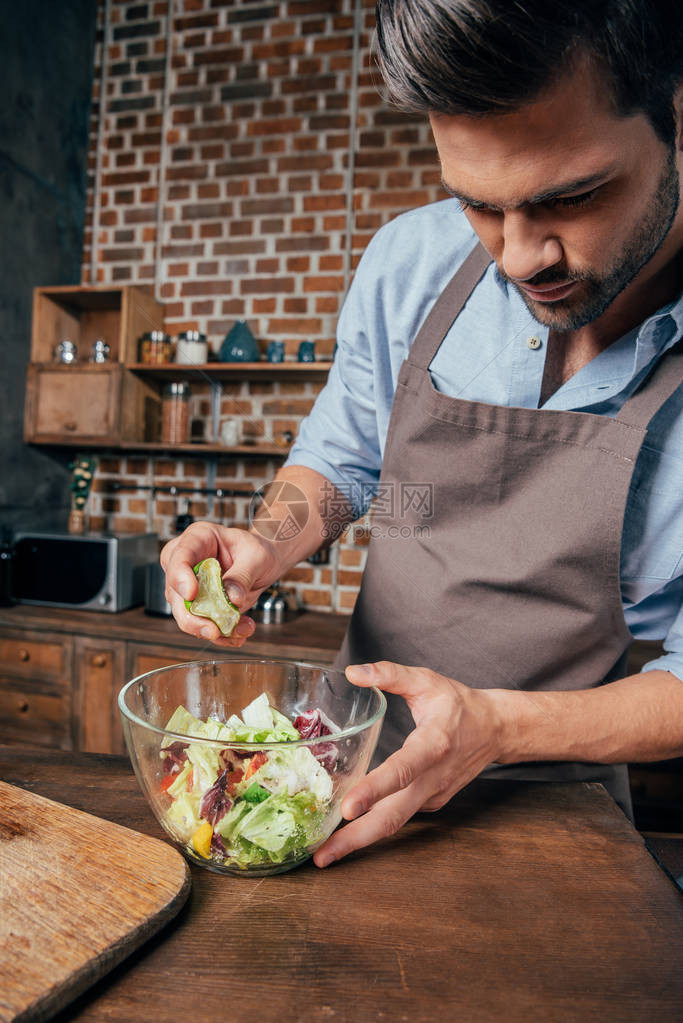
(70, 426)
(99, 660)
(24, 654)
(22, 706)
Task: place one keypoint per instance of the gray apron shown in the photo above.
(513, 582)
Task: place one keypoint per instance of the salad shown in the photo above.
(241, 808)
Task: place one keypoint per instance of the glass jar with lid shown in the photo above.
(175, 412)
(192, 348)
(155, 347)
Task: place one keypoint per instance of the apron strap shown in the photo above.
(655, 390)
(447, 307)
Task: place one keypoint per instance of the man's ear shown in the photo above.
(678, 113)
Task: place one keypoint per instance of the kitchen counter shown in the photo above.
(516, 902)
(308, 635)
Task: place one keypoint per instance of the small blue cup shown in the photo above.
(275, 352)
(307, 351)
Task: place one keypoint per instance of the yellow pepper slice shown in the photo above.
(201, 839)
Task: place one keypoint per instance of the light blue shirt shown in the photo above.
(486, 357)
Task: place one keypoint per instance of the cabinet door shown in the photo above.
(99, 674)
(73, 403)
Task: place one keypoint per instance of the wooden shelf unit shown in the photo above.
(216, 371)
(116, 405)
(83, 314)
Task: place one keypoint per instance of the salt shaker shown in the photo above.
(65, 352)
(100, 351)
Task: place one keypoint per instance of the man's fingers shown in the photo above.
(399, 771)
(197, 543)
(395, 678)
(382, 820)
(204, 628)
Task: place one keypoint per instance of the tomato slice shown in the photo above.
(258, 760)
(168, 781)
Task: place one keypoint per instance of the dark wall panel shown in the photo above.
(46, 56)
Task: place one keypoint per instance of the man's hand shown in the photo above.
(455, 737)
(249, 565)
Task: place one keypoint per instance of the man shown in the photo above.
(537, 394)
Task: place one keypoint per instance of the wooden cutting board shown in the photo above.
(77, 895)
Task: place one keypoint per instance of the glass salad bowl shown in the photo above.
(245, 762)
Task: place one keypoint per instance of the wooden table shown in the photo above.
(518, 901)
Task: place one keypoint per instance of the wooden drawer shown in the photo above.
(35, 655)
(35, 713)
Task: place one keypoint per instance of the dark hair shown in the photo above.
(492, 56)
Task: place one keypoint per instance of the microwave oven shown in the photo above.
(94, 572)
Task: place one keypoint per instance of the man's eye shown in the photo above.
(573, 200)
(472, 207)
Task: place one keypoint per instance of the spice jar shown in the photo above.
(155, 347)
(175, 413)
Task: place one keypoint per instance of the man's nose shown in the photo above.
(528, 246)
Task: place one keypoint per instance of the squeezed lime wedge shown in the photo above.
(211, 600)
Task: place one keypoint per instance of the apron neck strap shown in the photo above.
(655, 390)
(448, 306)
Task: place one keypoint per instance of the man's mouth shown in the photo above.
(548, 292)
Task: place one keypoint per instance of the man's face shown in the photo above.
(573, 202)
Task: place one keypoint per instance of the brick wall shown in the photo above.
(241, 172)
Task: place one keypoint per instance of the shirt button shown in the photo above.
(533, 343)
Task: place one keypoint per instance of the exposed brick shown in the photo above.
(242, 167)
(206, 211)
(298, 264)
(149, 28)
(346, 600)
(325, 202)
(327, 304)
(253, 14)
(271, 225)
(306, 244)
(246, 90)
(206, 288)
(245, 246)
(121, 255)
(134, 103)
(323, 283)
(258, 285)
(258, 207)
(228, 56)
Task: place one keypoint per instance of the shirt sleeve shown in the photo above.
(340, 437)
(672, 658)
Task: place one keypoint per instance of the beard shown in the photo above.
(600, 290)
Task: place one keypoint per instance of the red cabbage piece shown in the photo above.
(215, 802)
(174, 756)
(326, 753)
(311, 725)
(217, 846)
